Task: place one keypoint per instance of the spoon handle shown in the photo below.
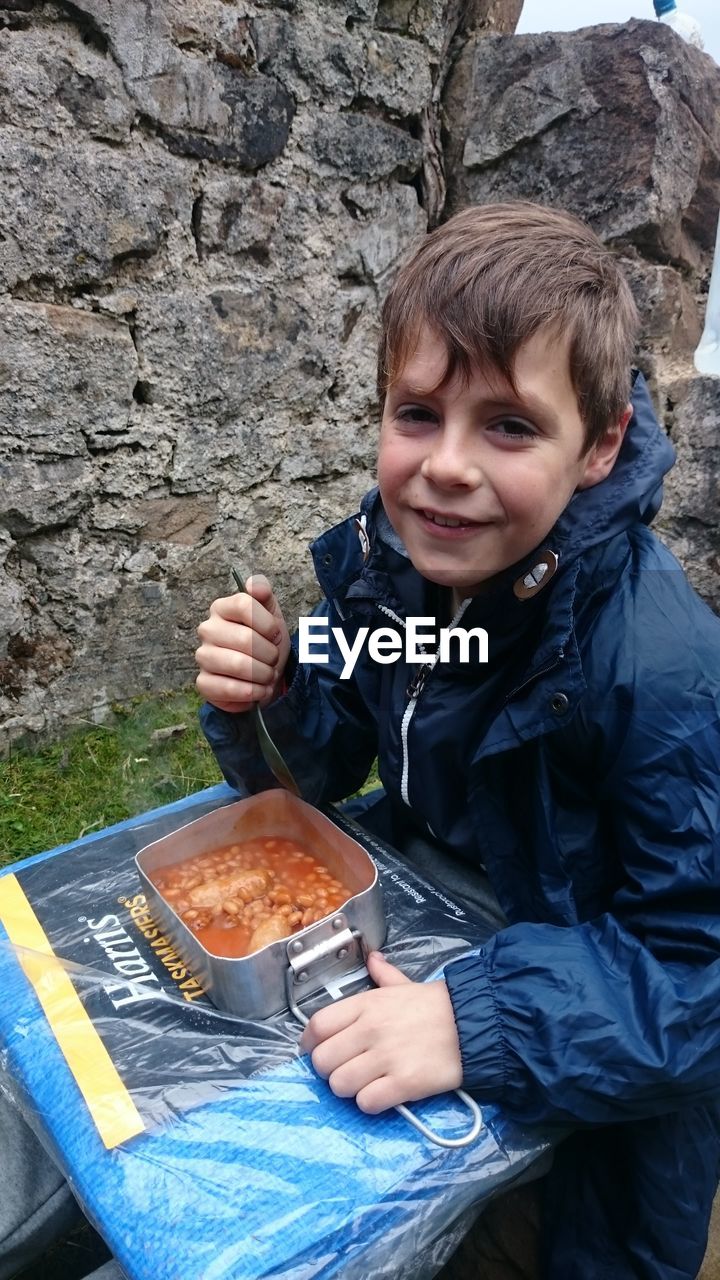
(271, 755)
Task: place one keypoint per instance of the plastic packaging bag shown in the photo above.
(201, 1145)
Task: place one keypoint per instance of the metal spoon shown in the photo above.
(271, 755)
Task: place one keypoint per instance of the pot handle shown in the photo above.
(439, 1141)
(403, 1110)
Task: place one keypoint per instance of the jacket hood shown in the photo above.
(631, 494)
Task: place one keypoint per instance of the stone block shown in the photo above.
(361, 147)
(240, 215)
(434, 21)
(229, 350)
(190, 77)
(138, 33)
(249, 124)
(618, 124)
(127, 470)
(181, 520)
(384, 224)
(232, 456)
(60, 369)
(671, 322)
(317, 59)
(98, 208)
(37, 493)
(692, 489)
(50, 80)
(689, 520)
(397, 75)
(12, 615)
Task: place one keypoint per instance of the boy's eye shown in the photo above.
(415, 414)
(514, 429)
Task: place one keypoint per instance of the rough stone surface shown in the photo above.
(203, 206)
(690, 516)
(120, 212)
(618, 124)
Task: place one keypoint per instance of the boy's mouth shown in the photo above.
(448, 522)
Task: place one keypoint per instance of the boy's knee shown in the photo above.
(37, 1205)
(504, 1242)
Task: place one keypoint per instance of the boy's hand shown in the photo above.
(396, 1044)
(244, 647)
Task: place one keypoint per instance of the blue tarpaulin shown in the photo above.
(203, 1147)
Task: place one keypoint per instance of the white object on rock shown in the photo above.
(707, 356)
(686, 26)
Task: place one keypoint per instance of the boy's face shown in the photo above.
(472, 476)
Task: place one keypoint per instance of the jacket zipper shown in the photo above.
(414, 689)
(536, 676)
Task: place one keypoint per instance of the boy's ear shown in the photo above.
(601, 457)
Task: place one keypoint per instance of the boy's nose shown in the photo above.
(449, 466)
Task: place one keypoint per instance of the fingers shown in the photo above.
(356, 1067)
(383, 973)
(232, 695)
(344, 1049)
(244, 647)
(237, 666)
(231, 649)
(336, 1060)
(244, 610)
(336, 1017)
(395, 1044)
(346, 1060)
(331, 1020)
(260, 591)
(380, 1094)
(259, 587)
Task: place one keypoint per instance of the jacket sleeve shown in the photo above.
(617, 1017)
(324, 727)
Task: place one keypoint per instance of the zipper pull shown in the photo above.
(417, 684)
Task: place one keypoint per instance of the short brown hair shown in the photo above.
(491, 277)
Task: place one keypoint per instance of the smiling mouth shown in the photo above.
(448, 522)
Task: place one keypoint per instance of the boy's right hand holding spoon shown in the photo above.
(244, 648)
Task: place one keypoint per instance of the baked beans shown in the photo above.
(243, 896)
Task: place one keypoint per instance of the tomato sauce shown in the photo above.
(242, 896)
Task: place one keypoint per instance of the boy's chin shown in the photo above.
(455, 580)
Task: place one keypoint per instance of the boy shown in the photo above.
(579, 768)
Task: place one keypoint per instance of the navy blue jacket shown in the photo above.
(581, 767)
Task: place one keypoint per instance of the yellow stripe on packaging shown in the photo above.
(109, 1102)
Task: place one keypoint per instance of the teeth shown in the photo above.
(444, 520)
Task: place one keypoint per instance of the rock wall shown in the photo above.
(203, 206)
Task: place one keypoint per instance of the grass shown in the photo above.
(106, 773)
(103, 774)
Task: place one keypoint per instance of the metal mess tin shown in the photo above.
(275, 977)
(319, 956)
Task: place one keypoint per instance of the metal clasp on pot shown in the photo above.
(340, 950)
